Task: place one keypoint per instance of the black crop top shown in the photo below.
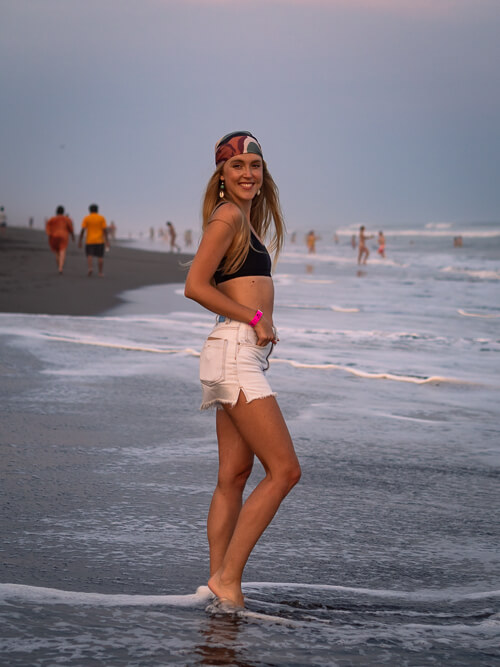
(257, 263)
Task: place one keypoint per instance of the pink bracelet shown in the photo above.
(256, 318)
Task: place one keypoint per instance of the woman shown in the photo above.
(231, 276)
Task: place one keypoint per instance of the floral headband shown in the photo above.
(236, 143)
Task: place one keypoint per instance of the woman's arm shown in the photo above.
(199, 285)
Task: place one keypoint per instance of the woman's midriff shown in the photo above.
(256, 292)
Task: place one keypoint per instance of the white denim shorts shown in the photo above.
(230, 362)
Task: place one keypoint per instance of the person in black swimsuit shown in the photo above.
(231, 276)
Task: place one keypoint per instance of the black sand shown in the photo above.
(30, 283)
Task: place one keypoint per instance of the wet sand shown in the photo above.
(54, 452)
(30, 282)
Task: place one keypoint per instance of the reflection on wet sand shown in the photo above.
(219, 642)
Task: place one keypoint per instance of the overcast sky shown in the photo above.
(374, 111)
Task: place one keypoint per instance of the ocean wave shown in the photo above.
(187, 351)
(337, 309)
(288, 333)
(473, 273)
(356, 335)
(122, 346)
(434, 231)
(294, 257)
(460, 311)
(432, 379)
(340, 309)
(439, 225)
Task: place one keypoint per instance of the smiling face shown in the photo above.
(243, 175)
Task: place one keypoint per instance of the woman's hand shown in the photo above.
(265, 331)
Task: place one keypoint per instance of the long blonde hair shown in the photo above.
(265, 209)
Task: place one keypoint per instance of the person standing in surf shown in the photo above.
(231, 276)
(363, 252)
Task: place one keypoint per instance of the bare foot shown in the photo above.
(230, 593)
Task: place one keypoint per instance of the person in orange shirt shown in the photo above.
(59, 228)
(97, 238)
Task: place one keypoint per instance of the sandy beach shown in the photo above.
(30, 283)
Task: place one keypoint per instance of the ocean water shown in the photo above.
(385, 553)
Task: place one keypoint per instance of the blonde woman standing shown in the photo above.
(231, 276)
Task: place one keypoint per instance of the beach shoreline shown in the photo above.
(30, 282)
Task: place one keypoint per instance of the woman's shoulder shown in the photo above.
(226, 212)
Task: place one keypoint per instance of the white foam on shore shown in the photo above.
(326, 256)
(295, 364)
(374, 376)
(451, 594)
(41, 595)
(203, 595)
(191, 352)
(460, 311)
(122, 346)
(337, 309)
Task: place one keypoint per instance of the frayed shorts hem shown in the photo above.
(219, 403)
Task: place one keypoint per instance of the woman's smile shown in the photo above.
(243, 175)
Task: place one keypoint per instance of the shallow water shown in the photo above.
(283, 624)
(387, 551)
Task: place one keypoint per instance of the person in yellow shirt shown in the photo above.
(97, 238)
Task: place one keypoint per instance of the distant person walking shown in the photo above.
(188, 238)
(3, 220)
(172, 235)
(112, 231)
(381, 244)
(59, 229)
(363, 252)
(97, 238)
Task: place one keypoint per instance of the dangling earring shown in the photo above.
(221, 189)
(258, 193)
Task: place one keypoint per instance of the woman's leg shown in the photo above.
(263, 429)
(235, 466)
